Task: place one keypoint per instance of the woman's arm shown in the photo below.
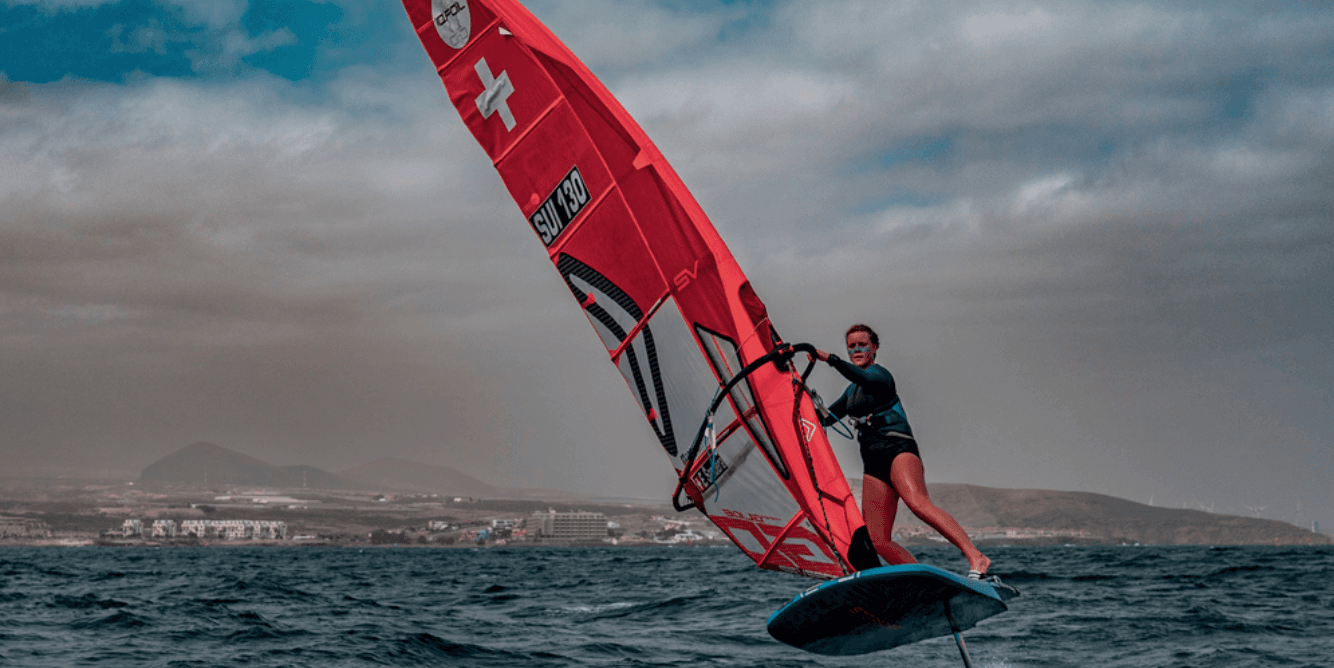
(837, 410)
(874, 378)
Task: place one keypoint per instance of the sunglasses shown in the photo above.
(859, 348)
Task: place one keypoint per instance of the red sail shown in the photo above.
(675, 312)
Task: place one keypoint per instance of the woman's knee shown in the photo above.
(919, 504)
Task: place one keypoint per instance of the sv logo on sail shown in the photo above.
(562, 205)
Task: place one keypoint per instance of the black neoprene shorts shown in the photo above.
(879, 457)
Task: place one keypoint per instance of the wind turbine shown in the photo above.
(1256, 509)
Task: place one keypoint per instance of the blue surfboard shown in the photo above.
(885, 607)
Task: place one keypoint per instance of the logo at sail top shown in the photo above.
(452, 22)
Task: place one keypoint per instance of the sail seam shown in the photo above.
(796, 519)
(578, 221)
(429, 27)
(639, 326)
(541, 116)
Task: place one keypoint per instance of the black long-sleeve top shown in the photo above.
(872, 393)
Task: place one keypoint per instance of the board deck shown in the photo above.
(885, 607)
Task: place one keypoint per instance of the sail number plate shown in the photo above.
(562, 205)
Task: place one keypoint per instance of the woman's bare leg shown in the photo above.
(879, 505)
(910, 482)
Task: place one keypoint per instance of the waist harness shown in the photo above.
(883, 418)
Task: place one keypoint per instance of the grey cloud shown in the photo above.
(225, 54)
(213, 14)
(1085, 91)
(625, 37)
(152, 36)
(208, 241)
(1122, 240)
(1097, 237)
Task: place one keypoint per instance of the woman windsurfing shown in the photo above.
(891, 461)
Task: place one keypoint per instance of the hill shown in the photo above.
(391, 473)
(1104, 518)
(208, 464)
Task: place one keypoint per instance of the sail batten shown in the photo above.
(659, 287)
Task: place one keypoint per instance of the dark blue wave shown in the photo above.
(120, 619)
(85, 601)
(1084, 606)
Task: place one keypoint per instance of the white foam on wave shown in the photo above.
(592, 609)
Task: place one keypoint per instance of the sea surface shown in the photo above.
(662, 606)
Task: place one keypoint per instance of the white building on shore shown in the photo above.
(132, 528)
(233, 529)
(164, 528)
(578, 525)
(22, 527)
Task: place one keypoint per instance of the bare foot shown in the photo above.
(980, 563)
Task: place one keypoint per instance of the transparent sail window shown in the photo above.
(722, 353)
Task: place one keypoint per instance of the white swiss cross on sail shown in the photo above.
(494, 98)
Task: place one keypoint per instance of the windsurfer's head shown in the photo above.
(863, 343)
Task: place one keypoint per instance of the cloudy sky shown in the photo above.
(1096, 237)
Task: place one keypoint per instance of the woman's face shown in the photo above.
(860, 349)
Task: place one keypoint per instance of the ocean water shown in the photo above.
(1081, 606)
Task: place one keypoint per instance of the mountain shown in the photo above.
(401, 474)
(1105, 518)
(208, 464)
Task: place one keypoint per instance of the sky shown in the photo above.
(1095, 237)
